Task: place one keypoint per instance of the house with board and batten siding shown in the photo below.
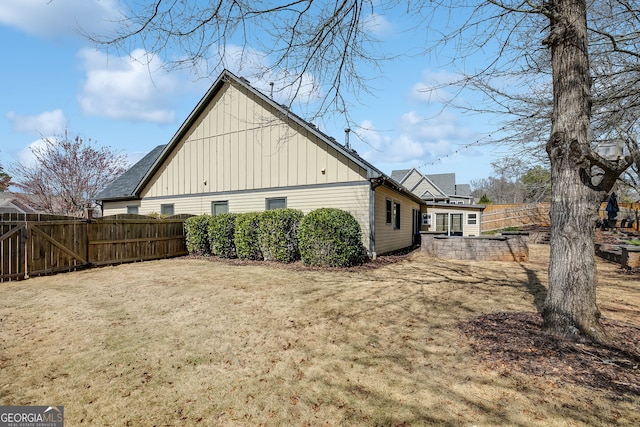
(241, 151)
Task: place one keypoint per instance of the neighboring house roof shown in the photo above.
(463, 190)
(400, 175)
(10, 203)
(445, 182)
(131, 185)
(414, 175)
(435, 187)
(125, 185)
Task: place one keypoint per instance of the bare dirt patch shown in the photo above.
(206, 342)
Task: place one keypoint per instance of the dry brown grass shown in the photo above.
(191, 341)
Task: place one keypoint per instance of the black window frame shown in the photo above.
(396, 215)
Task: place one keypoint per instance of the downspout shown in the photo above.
(375, 183)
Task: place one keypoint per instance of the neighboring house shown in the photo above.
(11, 203)
(436, 188)
(455, 220)
(240, 151)
(449, 206)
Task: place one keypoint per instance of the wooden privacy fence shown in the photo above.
(498, 217)
(34, 244)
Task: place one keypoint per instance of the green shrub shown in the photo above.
(278, 234)
(332, 238)
(197, 230)
(246, 236)
(221, 230)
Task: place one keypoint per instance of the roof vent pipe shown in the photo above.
(346, 139)
(271, 93)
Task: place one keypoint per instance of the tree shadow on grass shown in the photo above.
(535, 287)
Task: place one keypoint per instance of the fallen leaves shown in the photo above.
(516, 341)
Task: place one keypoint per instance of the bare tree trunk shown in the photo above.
(570, 309)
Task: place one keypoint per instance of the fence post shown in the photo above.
(23, 255)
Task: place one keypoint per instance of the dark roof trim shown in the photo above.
(454, 206)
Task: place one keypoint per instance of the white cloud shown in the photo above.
(25, 156)
(59, 17)
(417, 140)
(287, 84)
(47, 123)
(377, 24)
(436, 87)
(133, 88)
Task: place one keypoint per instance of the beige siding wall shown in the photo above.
(423, 187)
(388, 238)
(113, 208)
(240, 144)
(353, 198)
(413, 178)
(467, 229)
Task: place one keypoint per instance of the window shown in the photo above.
(221, 207)
(132, 210)
(396, 215)
(456, 224)
(442, 222)
(472, 219)
(389, 211)
(279, 203)
(166, 210)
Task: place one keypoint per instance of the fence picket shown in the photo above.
(45, 244)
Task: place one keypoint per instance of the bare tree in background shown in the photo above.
(66, 174)
(535, 48)
(514, 181)
(5, 179)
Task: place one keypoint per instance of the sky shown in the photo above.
(54, 80)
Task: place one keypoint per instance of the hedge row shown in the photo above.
(325, 237)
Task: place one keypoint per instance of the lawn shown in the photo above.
(204, 342)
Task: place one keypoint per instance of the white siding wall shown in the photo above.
(467, 229)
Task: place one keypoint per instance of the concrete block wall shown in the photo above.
(482, 248)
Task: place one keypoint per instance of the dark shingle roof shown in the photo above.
(463, 190)
(399, 175)
(445, 182)
(125, 185)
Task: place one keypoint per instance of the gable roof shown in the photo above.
(17, 203)
(227, 76)
(406, 173)
(400, 175)
(446, 182)
(125, 185)
(130, 185)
